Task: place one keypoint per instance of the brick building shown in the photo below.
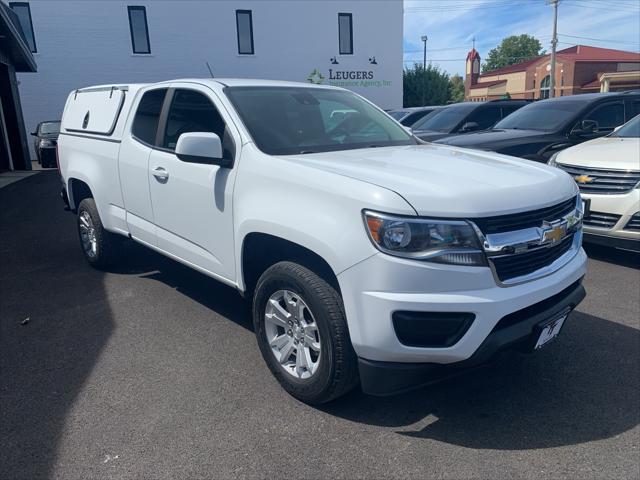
(579, 69)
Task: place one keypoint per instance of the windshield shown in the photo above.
(445, 119)
(631, 129)
(292, 120)
(397, 114)
(50, 127)
(546, 116)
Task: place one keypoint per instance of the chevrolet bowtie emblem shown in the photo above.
(583, 179)
(554, 233)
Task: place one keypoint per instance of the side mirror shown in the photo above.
(469, 127)
(201, 147)
(585, 127)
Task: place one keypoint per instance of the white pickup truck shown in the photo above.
(370, 257)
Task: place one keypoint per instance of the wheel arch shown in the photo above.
(261, 250)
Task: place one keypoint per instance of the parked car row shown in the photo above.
(581, 134)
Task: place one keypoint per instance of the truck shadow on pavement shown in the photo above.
(582, 387)
(55, 320)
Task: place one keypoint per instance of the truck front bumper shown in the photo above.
(377, 287)
(390, 378)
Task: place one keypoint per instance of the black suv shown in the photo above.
(45, 143)
(543, 128)
(464, 117)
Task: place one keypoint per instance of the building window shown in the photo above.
(139, 29)
(545, 86)
(345, 33)
(244, 28)
(23, 12)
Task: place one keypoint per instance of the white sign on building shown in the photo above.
(356, 44)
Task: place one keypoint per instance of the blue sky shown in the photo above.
(452, 24)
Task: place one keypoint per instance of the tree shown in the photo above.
(456, 88)
(514, 49)
(431, 82)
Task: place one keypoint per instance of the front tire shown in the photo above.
(100, 247)
(302, 333)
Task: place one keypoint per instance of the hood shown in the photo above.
(443, 181)
(429, 135)
(477, 139)
(606, 152)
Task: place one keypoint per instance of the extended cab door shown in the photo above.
(192, 201)
(133, 160)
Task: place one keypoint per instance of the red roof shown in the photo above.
(518, 67)
(585, 53)
(487, 84)
(593, 84)
(578, 53)
(472, 53)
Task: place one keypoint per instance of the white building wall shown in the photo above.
(88, 42)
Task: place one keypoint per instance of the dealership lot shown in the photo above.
(152, 370)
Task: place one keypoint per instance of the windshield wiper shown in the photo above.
(304, 152)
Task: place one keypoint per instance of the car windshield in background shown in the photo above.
(50, 127)
(292, 120)
(631, 129)
(444, 120)
(546, 116)
(398, 114)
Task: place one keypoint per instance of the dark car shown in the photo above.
(464, 117)
(45, 143)
(409, 116)
(543, 128)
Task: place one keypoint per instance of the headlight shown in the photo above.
(441, 241)
(46, 143)
(552, 161)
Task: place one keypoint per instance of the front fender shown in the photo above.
(316, 209)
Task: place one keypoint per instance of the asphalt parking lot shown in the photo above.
(152, 371)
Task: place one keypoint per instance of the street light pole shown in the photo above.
(554, 42)
(424, 69)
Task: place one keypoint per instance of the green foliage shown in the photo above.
(430, 82)
(512, 50)
(456, 88)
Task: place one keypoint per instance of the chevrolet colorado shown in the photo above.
(370, 258)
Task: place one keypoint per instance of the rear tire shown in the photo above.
(100, 247)
(302, 333)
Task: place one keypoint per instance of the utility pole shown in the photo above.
(554, 42)
(424, 69)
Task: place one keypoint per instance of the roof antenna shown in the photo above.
(210, 71)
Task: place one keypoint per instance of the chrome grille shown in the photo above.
(602, 181)
(600, 220)
(633, 223)
(518, 221)
(518, 265)
(524, 246)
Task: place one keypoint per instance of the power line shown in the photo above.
(598, 39)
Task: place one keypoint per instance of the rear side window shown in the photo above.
(192, 111)
(485, 117)
(145, 123)
(633, 109)
(509, 110)
(608, 116)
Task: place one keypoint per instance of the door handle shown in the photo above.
(161, 174)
